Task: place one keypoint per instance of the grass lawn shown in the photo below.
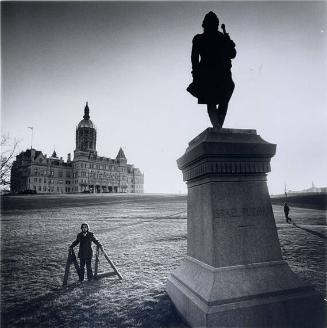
(144, 235)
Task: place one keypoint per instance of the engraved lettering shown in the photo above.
(226, 212)
(233, 212)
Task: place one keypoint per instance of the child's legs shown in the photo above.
(89, 269)
(82, 268)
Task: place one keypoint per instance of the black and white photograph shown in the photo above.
(163, 164)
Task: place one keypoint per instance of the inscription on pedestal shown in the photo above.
(234, 212)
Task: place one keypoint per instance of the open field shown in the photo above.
(145, 236)
(314, 200)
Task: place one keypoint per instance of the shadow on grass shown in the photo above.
(316, 233)
(155, 310)
(158, 312)
(44, 308)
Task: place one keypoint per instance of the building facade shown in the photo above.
(33, 171)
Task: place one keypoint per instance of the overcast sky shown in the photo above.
(131, 62)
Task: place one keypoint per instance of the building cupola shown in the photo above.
(86, 133)
(86, 122)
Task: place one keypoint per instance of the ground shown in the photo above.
(144, 235)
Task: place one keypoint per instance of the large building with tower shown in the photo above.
(33, 171)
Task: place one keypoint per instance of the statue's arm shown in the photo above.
(195, 55)
(231, 48)
(229, 43)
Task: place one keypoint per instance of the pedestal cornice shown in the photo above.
(226, 152)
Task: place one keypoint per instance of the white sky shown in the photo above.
(131, 62)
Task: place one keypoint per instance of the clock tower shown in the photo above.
(86, 135)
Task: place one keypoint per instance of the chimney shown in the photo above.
(68, 157)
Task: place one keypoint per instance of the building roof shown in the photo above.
(54, 154)
(121, 154)
(28, 153)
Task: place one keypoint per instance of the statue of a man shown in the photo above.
(212, 84)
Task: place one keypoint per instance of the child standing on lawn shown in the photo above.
(85, 239)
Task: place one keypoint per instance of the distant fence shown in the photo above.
(314, 200)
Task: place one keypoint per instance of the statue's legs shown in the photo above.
(213, 115)
(222, 111)
(223, 105)
(217, 115)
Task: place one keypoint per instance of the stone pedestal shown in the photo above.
(234, 275)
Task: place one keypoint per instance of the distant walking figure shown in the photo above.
(286, 212)
(85, 239)
(212, 84)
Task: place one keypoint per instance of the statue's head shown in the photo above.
(211, 21)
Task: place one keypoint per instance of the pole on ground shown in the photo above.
(67, 270)
(96, 266)
(70, 259)
(112, 265)
(74, 260)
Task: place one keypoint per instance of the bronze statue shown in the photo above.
(212, 84)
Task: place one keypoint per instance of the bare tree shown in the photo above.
(8, 154)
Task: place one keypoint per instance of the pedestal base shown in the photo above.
(256, 295)
(234, 275)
